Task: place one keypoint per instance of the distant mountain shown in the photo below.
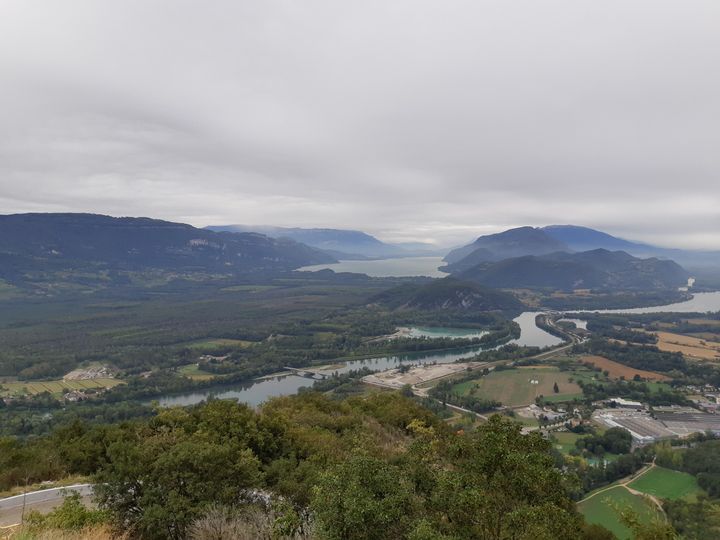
(597, 269)
(448, 293)
(341, 243)
(504, 245)
(584, 238)
(50, 242)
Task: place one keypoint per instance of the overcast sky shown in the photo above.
(412, 120)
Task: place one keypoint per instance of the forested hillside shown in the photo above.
(33, 245)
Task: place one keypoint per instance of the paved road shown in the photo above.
(44, 500)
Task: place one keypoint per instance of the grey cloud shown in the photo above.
(410, 119)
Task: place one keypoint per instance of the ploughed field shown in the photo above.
(55, 387)
(520, 386)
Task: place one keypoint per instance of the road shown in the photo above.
(11, 508)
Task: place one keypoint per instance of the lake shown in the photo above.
(408, 266)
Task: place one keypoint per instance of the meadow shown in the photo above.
(565, 441)
(516, 387)
(599, 508)
(192, 371)
(667, 484)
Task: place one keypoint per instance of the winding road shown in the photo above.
(11, 508)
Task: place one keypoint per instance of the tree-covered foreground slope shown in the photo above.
(373, 467)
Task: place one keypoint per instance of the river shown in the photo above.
(255, 392)
(699, 303)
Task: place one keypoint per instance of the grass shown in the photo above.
(565, 441)
(599, 509)
(211, 344)
(513, 387)
(55, 387)
(192, 371)
(667, 484)
(249, 288)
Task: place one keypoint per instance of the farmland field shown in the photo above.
(520, 386)
(56, 387)
(688, 346)
(598, 509)
(667, 484)
(617, 370)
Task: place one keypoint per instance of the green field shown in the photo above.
(250, 288)
(565, 441)
(217, 343)
(192, 371)
(513, 387)
(56, 387)
(598, 509)
(667, 484)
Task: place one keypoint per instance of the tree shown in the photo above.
(159, 480)
(593, 531)
(364, 498)
(503, 485)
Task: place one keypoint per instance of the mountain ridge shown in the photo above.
(341, 243)
(598, 269)
(51, 241)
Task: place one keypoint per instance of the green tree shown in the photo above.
(364, 498)
(503, 485)
(159, 481)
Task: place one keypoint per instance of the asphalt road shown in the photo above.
(44, 500)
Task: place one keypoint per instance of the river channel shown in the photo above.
(255, 392)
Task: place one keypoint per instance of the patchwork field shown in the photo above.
(688, 346)
(520, 386)
(56, 387)
(667, 484)
(616, 370)
(599, 509)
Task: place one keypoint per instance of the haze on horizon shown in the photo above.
(411, 120)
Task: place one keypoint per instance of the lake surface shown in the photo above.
(407, 266)
(579, 323)
(255, 392)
